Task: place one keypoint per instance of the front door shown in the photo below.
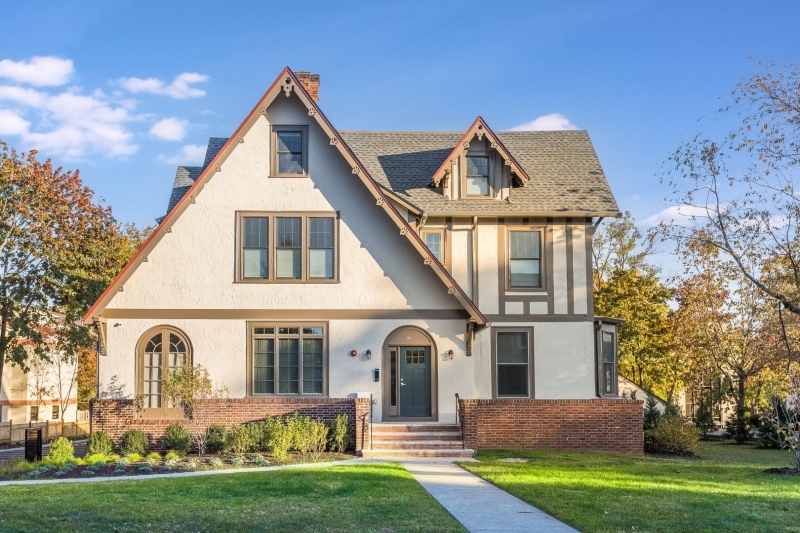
(415, 381)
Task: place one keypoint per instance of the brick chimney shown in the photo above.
(310, 83)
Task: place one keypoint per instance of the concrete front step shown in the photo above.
(379, 454)
(397, 427)
(408, 435)
(417, 444)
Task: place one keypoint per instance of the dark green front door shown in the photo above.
(415, 381)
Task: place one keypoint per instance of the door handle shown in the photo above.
(402, 384)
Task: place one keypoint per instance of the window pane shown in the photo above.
(320, 263)
(608, 347)
(264, 366)
(290, 152)
(255, 232)
(287, 365)
(478, 166)
(312, 366)
(477, 186)
(288, 232)
(290, 163)
(609, 378)
(321, 232)
(524, 273)
(288, 331)
(255, 263)
(290, 141)
(288, 264)
(512, 380)
(525, 245)
(434, 243)
(313, 331)
(263, 331)
(512, 347)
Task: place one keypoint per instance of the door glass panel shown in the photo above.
(393, 378)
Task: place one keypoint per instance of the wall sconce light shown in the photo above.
(353, 353)
(449, 354)
(369, 354)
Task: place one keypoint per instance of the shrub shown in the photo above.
(216, 462)
(299, 431)
(317, 437)
(240, 439)
(133, 458)
(171, 462)
(339, 433)
(122, 462)
(153, 456)
(95, 458)
(191, 464)
(172, 455)
(177, 438)
(135, 441)
(217, 438)
(88, 472)
(257, 432)
(99, 443)
(672, 435)
(651, 413)
(61, 451)
(237, 461)
(278, 437)
(738, 428)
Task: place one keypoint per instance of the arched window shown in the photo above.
(160, 349)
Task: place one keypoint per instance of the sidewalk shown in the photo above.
(478, 505)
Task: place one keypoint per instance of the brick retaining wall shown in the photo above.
(586, 425)
(118, 416)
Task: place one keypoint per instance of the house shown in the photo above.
(405, 278)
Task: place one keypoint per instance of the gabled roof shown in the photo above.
(286, 84)
(480, 129)
(566, 178)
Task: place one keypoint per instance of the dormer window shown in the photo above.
(290, 151)
(477, 176)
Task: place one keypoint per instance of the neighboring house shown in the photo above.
(311, 270)
(629, 389)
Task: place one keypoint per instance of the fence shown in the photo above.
(11, 433)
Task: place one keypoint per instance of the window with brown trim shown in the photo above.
(477, 181)
(608, 347)
(287, 247)
(524, 259)
(287, 359)
(289, 151)
(160, 350)
(434, 240)
(512, 362)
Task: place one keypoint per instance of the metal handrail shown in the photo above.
(370, 421)
(457, 409)
(460, 422)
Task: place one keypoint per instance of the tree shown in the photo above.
(742, 191)
(87, 377)
(784, 418)
(65, 342)
(626, 286)
(190, 388)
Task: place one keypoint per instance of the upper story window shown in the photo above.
(477, 176)
(290, 151)
(524, 259)
(297, 248)
(434, 240)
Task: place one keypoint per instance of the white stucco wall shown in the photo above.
(579, 270)
(488, 281)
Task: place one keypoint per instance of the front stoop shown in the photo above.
(416, 440)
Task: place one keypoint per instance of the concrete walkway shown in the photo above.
(478, 505)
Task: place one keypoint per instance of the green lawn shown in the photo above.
(381, 498)
(724, 489)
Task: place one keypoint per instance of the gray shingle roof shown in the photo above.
(565, 173)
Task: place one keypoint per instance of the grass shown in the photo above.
(724, 489)
(354, 498)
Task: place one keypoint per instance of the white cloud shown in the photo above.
(181, 87)
(191, 154)
(677, 214)
(551, 122)
(39, 71)
(11, 123)
(170, 129)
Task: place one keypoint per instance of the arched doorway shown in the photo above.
(410, 360)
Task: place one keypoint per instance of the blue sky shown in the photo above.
(126, 90)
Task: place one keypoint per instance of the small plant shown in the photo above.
(339, 433)
(154, 456)
(95, 458)
(279, 437)
(149, 462)
(672, 435)
(216, 462)
(217, 438)
(61, 451)
(172, 462)
(237, 461)
(133, 458)
(191, 464)
(177, 438)
(119, 471)
(135, 441)
(99, 443)
(146, 469)
(258, 459)
(172, 455)
(88, 473)
(240, 439)
(123, 462)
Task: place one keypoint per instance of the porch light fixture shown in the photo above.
(449, 354)
(369, 354)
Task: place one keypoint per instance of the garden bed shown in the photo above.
(115, 466)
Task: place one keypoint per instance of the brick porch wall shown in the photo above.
(586, 425)
(118, 416)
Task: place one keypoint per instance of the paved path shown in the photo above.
(478, 505)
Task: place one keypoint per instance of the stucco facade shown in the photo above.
(186, 278)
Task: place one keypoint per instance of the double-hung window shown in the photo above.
(287, 359)
(477, 176)
(513, 365)
(281, 248)
(609, 348)
(524, 259)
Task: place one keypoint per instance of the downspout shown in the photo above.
(475, 260)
